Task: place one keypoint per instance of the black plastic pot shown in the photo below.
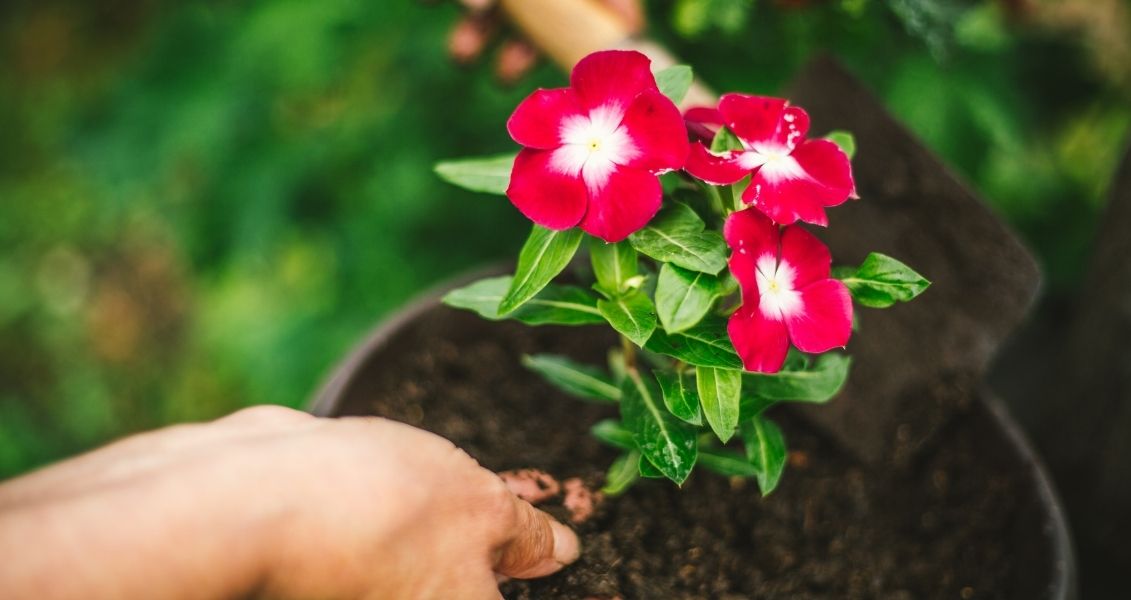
(1039, 535)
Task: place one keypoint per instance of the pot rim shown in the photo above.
(1062, 584)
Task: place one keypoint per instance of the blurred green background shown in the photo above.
(204, 204)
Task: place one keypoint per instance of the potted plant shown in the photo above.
(704, 308)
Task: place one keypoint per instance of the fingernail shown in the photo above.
(566, 545)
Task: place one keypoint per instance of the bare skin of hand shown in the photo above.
(273, 503)
(471, 35)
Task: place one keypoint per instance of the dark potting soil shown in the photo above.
(946, 526)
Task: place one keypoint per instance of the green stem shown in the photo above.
(629, 351)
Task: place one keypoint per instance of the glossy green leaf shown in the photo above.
(726, 463)
(683, 297)
(544, 255)
(664, 440)
(719, 393)
(677, 236)
(554, 305)
(573, 378)
(705, 345)
(612, 433)
(633, 316)
(648, 470)
(674, 82)
(725, 140)
(882, 281)
(680, 396)
(845, 140)
(765, 449)
(622, 474)
(613, 264)
(490, 175)
(820, 382)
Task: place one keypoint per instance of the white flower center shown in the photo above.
(779, 300)
(592, 146)
(775, 163)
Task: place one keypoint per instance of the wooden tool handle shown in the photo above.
(568, 30)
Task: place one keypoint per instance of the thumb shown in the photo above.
(536, 545)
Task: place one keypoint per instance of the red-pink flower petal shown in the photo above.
(612, 77)
(703, 122)
(536, 122)
(764, 121)
(826, 319)
(750, 236)
(625, 203)
(762, 343)
(786, 200)
(657, 131)
(829, 166)
(806, 255)
(544, 194)
(714, 169)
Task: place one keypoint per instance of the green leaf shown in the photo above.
(882, 281)
(632, 315)
(683, 297)
(845, 140)
(648, 470)
(613, 264)
(720, 391)
(554, 305)
(674, 82)
(677, 236)
(705, 345)
(679, 395)
(726, 463)
(544, 255)
(765, 449)
(725, 141)
(613, 434)
(490, 175)
(622, 474)
(573, 378)
(664, 440)
(818, 383)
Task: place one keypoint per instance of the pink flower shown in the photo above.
(787, 294)
(791, 178)
(593, 150)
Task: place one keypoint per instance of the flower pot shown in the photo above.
(973, 517)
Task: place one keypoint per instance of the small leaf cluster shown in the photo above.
(683, 397)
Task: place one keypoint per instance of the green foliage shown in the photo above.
(726, 463)
(674, 82)
(684, 297)
(881, 281)
(677, 235)
(633, 316)
(818, 383)
(694, 18)
(622, 474)
(554, 305)
(725, 141)
(545, 254)
(489, 175)
(719, 394)
(613, 434)
(680, 396)
(573, 378)
(845, 140)
(765, 449)
(614, 266)
(705, 345)
(666, 442)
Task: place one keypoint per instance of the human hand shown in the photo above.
(516, 56)
(275, 503)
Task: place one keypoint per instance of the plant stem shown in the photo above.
(629, 350)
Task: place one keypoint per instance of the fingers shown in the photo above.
(537, 546)
(630, 11)
(516, 58)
